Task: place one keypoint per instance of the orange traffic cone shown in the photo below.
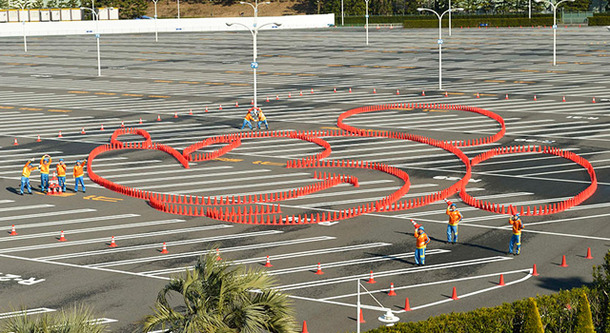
(236, 104)
(301, 93)
(122, 124)
(501, 283)
(218, 258)
(267, 99)
(102, 128)
(506, 96)
(361, 319)
(593, 100)
(140, 121)
(15, 143)
(350, 89)
(446, 94)
(158, 117)
(392, 292)
(563, 99)
(397, 92)
(82, 131)
(423, 93)
(289, 95)
(304, 329)
(454, 294)
(206, 109)
(175, 114)
(164, 249)
(374, 91)
(407, 306)
(535, 271)
(563, 261)
(312, 90)
(190, 112)
(220, 107)
(59, 136)
(112, 243)
(13, 231)
(335, 90)
(535, 99)
(62, 238)
(319, 271)
(277, 97)
(38, 139)
(478, 96)
(371, 278)
(587, 257)
(268, 263)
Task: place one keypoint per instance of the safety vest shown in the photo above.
(27, 169)
(61, 170)
(454, 216)
(261, 116)
(78, 170)
(422, 240)
(517, 226)
(249, 117)
(44, 167)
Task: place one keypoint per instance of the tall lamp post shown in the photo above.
(178, 3)
(23, 5)
(440, 40)
(388, 318)
(254, 64)
(97, 38)
(342, 16)
(156, 30)
(554, 6)
(366, 17)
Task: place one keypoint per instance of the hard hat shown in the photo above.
(421, 228)
(517, 215)
(61, 159)
(453, 205)
(77, 161)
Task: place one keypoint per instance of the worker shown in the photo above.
(25, 176)
(61, 174)
(45, 163)
(78, 175)
(262, 119)
(515, 221)
(422, 241)
(455, 217)
(248, 121)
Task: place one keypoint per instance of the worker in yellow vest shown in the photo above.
(78, 174)
(45, 164)
(262, 119)
(61, 174)
(248, 121)
(25, 176)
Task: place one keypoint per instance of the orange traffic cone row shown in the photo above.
(361, 319)
(13, 231)
(268, 263)
(112, 243)
(501, 283)
(535, 271)
(164, 249)
(15, 143)
(304, 329)
(563, 261)
(319, 271)
(407, 305)
(392, 292)
(38, 139)
(371, 278)
(587, 257)
(62, 238)
(454, 294)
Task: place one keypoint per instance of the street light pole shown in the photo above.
(554, 6)
(530, 9)
(342, 16)
(25, 40)
(156, 30)
(440, 40)
(366, 16)
(449, 18)
(178, 1)
(97, 38)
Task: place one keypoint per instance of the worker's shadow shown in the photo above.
(14, 190)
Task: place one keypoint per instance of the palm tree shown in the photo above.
(217, 298)
(79, 319)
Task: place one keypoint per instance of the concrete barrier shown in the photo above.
(163, 25)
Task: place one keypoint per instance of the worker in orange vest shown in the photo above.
(420, 249)
(455, 217)
(61, 174)
(45, 163)
(248, 121)
(262, 119)
(515, 240)
(78, 173)
(25, 176)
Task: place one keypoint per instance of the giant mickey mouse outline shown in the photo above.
(243, 209)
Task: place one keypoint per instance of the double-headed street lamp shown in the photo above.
(97, 38)
(440, 40)
(554, 6)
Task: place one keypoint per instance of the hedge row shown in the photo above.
(558, 314)
(599, 20)
(475, 22)
(360, 20)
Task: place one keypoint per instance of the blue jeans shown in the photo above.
(44, 181)
(246, 123)
(25, 181)
(79, 180)
(263, 122)
(452, 229)
(420, 256)
(515, 240)
(62, 183)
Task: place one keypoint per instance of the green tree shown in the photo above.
(584, 321)
(79, 319)
(218, 298)
(601, 283)
(532, 324)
